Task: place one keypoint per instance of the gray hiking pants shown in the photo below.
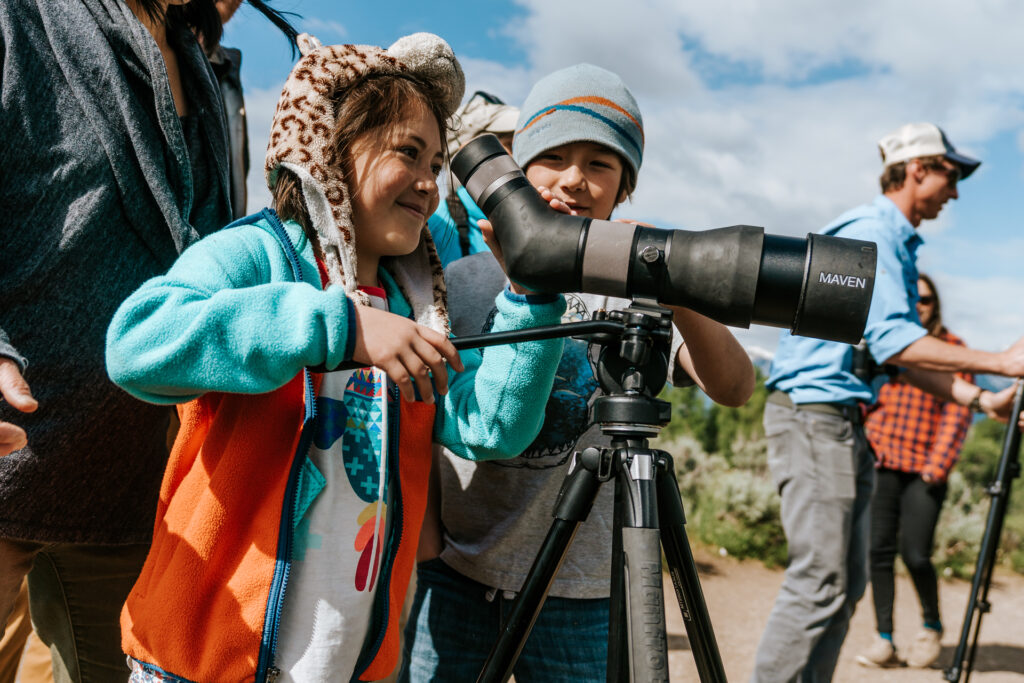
(824, 471)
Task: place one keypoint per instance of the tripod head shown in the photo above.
(629, 354)
(631, 370)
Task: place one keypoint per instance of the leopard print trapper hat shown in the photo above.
(300, 141)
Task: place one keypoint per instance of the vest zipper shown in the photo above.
(266, 672)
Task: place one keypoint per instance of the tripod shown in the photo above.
(978, 604)
(628, 350)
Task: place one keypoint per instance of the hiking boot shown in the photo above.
(925, 649)
(881, 654)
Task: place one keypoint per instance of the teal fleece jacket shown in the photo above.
(229, 317)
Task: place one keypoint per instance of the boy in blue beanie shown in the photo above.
(580, 141)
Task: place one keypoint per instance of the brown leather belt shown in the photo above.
(852, 413)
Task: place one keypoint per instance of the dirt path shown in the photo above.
(740, 596)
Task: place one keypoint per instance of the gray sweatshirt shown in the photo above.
(96, 190)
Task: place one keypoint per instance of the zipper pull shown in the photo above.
(272, 674)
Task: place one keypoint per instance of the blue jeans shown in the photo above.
(452, 626)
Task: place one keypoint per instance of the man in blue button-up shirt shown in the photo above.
(817, 453)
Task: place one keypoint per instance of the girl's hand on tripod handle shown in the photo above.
(411, 354)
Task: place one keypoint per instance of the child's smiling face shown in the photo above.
(585, 175)
(394, 183)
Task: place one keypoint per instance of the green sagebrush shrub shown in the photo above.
(731, 503)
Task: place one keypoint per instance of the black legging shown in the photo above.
(904, 510)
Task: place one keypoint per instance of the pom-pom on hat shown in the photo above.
(581, 103)
(301, 140)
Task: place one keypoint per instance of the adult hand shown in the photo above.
(1013, 359)
(407, 351)
(15, 391)
(997, 405)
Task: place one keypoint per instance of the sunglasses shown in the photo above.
(952, 173)
(926, 300)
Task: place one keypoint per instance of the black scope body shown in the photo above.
(816, 287)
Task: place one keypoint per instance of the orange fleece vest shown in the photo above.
(198, 608)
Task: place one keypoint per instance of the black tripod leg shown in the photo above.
(574, 504)
(983, 606)
(1007, 471)
(618, 637)
(683, 570)
(641, 561)
(977, 603)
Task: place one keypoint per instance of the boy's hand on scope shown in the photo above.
(407, 351)
(554, 202)
(487, 231)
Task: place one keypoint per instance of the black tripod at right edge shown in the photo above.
(631, 366)
(978, 604)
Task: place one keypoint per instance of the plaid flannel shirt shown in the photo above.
(912, 431)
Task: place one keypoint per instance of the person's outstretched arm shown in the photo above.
(929, 353)
(950, 387)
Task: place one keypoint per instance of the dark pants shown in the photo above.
(75, 592)
(904, 510)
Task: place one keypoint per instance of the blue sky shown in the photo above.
(758, 113)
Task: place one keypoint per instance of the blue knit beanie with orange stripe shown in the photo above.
(581, 103)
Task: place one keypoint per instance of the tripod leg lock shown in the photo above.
(600, 461)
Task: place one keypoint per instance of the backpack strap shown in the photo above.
(461, 218)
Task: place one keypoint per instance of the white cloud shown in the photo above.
(633, 38)
(988, 312)
(790, 153)
(510, 83)
(328, 31)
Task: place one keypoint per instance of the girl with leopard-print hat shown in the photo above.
(306, 346)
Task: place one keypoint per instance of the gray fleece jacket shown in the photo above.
(96, 190)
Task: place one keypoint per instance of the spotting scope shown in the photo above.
(819, 286)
